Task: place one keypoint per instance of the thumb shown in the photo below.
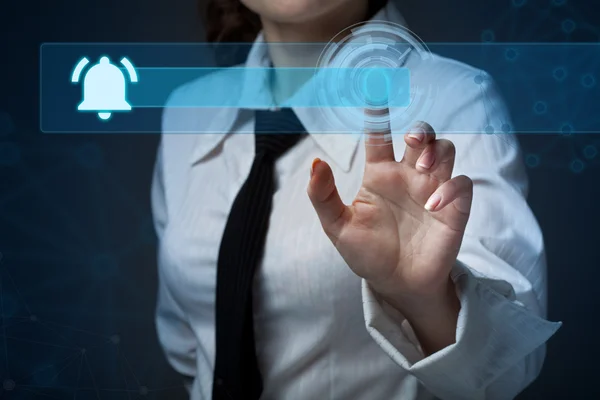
(323, 194)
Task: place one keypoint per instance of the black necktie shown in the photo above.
(236, 374)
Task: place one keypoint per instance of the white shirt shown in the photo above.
(321, 333)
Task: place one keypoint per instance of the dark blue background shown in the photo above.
(78, 268)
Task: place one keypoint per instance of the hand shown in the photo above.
(403, 231)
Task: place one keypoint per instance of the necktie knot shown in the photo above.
(277, 131)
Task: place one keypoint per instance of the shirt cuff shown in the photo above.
(493, 334)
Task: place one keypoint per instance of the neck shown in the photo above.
(308, 38)
(317, 31)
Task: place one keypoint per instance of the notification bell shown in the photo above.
(104, 87)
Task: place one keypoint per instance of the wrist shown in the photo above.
(425, 306)
(433, 317)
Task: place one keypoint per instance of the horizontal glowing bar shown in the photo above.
(248, 87)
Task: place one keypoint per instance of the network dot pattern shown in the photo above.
(44, 356)
(55, 341)
(564, 149)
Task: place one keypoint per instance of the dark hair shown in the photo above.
(229, 21)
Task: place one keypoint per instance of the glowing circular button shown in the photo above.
(375, 86)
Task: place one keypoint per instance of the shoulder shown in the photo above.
(187, 129)
(468, 109)
(465, 98)
(448, 73)
(181, 116)
(182, 121)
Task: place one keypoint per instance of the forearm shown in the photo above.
(497, 342)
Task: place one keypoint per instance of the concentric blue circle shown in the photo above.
(590, 151)
(375, 85)
(577, 166)
(532, 160)
(377, 45)
(568, 25)
(559, 73)
(567, 128)
(588, 81)
(540, 107)
(8, 385)
(488, 35)
(511, 54)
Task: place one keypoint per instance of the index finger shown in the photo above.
(378, 142)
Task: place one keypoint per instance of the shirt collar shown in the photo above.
(340, 147)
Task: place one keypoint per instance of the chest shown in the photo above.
(301, 272)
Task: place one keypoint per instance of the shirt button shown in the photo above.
(219, 381)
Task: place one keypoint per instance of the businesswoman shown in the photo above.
(329, 266)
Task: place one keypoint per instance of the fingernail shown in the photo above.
(433, 202)
(312, 166)
(426, 160)
(417, 133)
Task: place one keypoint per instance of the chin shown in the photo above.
(292, 11)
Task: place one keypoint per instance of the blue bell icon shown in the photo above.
(104, 88)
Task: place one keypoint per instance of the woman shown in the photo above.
(392, 297)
